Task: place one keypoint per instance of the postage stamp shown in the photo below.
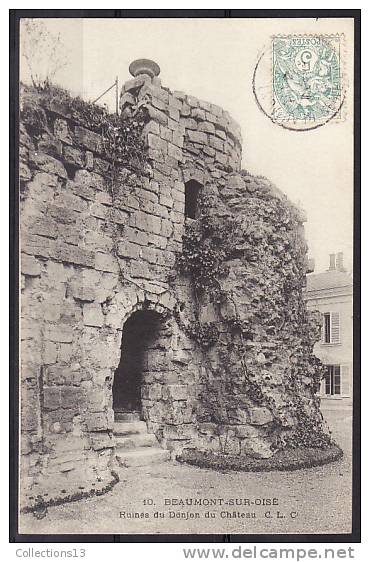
(306, 78)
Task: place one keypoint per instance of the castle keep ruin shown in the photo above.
(163, 292)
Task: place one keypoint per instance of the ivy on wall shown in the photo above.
(207, 244)
(251, 247)
(122, 138)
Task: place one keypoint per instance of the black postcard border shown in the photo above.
(14, 536)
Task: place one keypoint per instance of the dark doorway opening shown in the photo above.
(139, 333)
(192, 189)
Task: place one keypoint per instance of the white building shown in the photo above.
(331, 293)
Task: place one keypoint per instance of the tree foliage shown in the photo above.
(43, 52)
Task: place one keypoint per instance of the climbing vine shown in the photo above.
(201, 259)
(206, 335)
(122, 138)
(263, 243)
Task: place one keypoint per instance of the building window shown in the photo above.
(192, 189)
(331, 327)
(332, 381)
(327, 327)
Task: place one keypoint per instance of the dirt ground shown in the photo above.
(148, 499)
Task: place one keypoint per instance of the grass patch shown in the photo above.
(287, 460)
(40, 506)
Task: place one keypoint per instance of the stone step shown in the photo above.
(142, 456)
(129, 427)
(127, 416)
(135, 441)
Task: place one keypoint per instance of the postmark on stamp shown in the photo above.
(298, 80)
(306, 78)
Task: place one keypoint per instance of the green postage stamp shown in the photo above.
(306, 78)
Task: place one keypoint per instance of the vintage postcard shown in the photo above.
(186, 275)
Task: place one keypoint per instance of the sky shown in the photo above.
(214, 60)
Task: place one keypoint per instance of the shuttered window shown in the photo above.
(335, 327)
(326, 328)
(331, 327)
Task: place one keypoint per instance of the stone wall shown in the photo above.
(101, 240)
(92, 253)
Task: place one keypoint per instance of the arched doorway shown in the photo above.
(139, 336)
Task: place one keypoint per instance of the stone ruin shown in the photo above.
(174, 290)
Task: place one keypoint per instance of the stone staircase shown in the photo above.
(134, 445)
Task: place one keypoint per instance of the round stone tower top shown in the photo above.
(144, 66)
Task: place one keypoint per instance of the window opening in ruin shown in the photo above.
(139, 334)
(192, 189)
